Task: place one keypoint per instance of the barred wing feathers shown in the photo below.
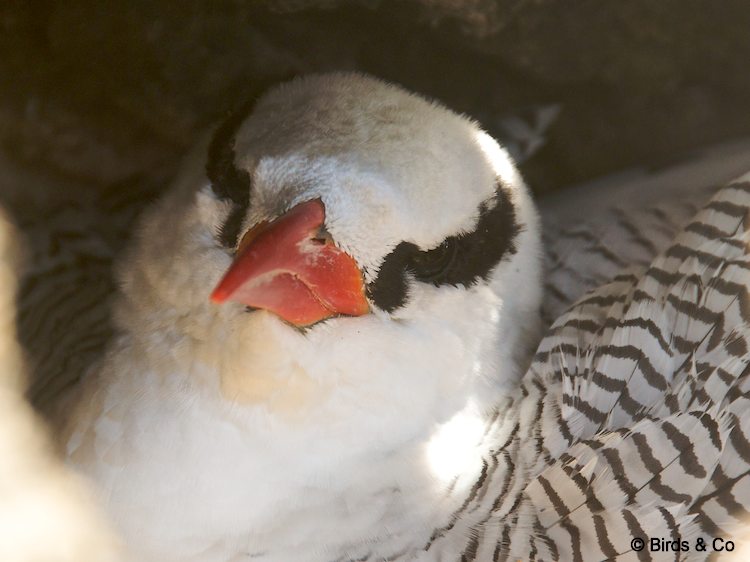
(648, 430)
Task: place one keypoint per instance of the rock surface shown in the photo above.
(108, 91)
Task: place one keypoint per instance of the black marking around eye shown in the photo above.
(389, 290)
(476, 255)
(227, 180)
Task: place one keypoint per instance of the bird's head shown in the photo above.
(342, 240)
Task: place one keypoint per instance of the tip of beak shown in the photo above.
(219, 295)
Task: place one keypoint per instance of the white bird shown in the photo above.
(389, 253)
(323, 333)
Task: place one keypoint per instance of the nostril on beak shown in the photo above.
(322, 236)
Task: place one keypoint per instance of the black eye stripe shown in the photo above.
(229, 232)
(229, 182)
(389, 289)
(475, 255)
(431, 266)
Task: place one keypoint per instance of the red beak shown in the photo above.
(286, 267)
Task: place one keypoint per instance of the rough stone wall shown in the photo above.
(104, 91)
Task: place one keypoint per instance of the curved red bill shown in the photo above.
(286, 267)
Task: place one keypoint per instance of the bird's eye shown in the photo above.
(431, 266)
